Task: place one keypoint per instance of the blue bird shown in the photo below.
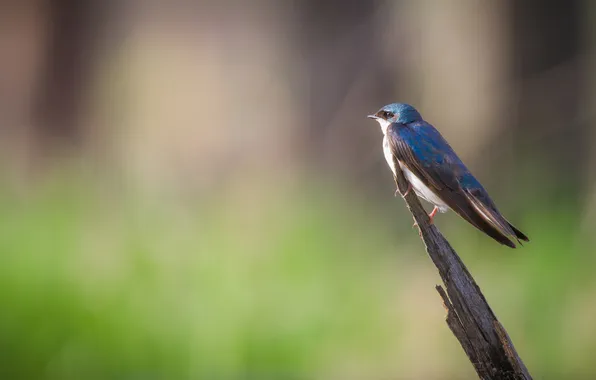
(437, 174)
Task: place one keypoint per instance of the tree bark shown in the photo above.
(469, 316)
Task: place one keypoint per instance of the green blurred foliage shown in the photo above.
(296, 283)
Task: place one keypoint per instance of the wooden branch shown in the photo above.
(469, 316)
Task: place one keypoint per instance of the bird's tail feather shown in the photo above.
(472, 216)
(484, 210)
(484, 216)
(520, 235)
(480, 223)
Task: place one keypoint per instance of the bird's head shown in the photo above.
(396, 113)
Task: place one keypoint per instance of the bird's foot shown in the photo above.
(408, 190)
(406, 193)
(431, 216)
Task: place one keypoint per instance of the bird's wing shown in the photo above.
(433, 161)
(481, 201)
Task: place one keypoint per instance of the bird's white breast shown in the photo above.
(419, 187)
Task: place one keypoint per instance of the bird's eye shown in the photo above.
(387, 115)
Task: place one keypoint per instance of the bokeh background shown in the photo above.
(191, 190)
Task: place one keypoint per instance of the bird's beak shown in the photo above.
(372, 116)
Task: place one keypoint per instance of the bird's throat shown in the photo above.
(384, 125)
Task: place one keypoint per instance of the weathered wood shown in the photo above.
(469, 316)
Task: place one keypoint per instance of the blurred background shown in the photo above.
(192, 190)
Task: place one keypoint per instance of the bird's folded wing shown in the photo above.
(442, 180)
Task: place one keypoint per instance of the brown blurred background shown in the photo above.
(192, 189)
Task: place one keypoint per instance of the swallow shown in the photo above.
(437, 174)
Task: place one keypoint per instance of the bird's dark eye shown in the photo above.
(387, 115)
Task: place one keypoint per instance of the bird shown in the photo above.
(437, 174)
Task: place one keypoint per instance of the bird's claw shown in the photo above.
(408, 190)
(431, 216)
(406, 193)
